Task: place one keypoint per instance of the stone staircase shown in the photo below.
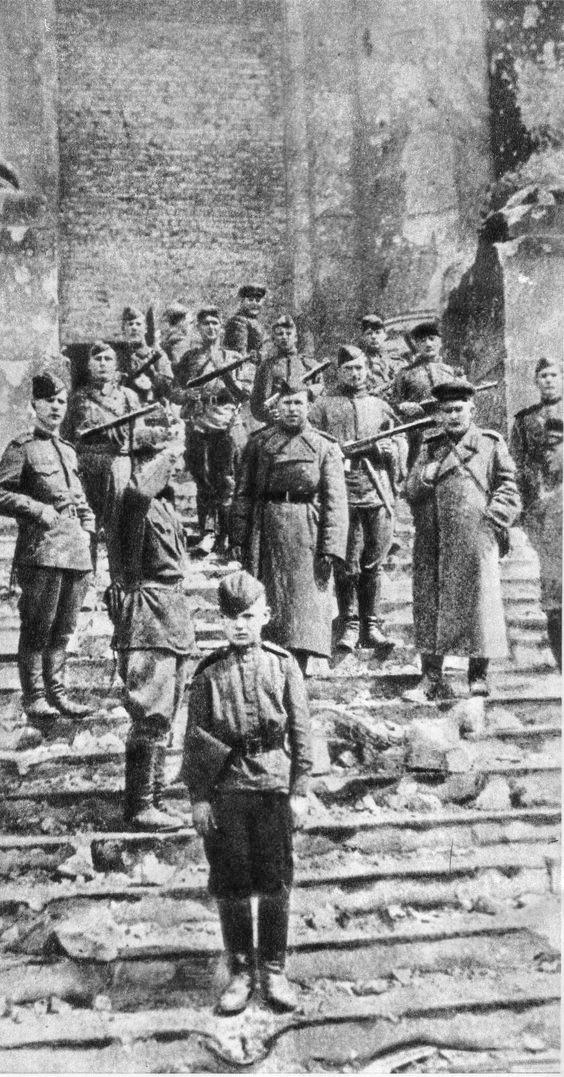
(425, 915)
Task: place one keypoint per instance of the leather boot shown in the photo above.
(478, 676)
(159, 786)
(139, 810)
(236, 920)
(273, 920)
(369, 594)
(432, 686)
(221, 545)
(346, 588)
(54, 665)
(30, 668)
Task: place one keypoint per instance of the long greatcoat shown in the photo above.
(282, 539)
(457, 603)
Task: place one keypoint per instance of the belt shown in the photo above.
(291, 499)
(254, 746)
(68, 510)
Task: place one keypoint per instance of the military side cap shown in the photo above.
(47, 384)
(544, 362)
(291, 386)
(284, 321)
(207, 312)
(131, 314)
(237, 592)
(348, 352)
(372, 321)
(100, 347)
(454, 389)
(251, 291)
(175, 312)
(425, 329)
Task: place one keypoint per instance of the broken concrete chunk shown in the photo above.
(533, 1044)
(153, 872)
(370, 987)
(495, 796)
(102, 1003)
(429, 741)
(94, 936)
(470, 715)
(79, 864)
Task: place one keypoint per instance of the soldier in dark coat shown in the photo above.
(154, 634)
(178, 338)
(247, 760)
(215, 432)
(464, 497)
(244, 334)
(40, 487)
(372, 480)
(286, 364)
(528, 442)
(153, 382)
(289, 519)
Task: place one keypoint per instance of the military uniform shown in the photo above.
(372, 482)
(215, 433)
(273, 372)
(527, 445)
(53, 562)
(247, 749)
(290, 510)
(155, 382)
(154, 634)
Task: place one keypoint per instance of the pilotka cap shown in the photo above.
(131, 314)
(47, 384)
(237, 592)
(347, 352)
(100, 347)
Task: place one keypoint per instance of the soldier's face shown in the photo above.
(251, 306)
(373, 339)
(209, 329)
(353, 373)
(549, 384)
(245, 629)
(102, 369)
(51, 412)
(456, 415)
(284, 337)
(293, 411)
(134, 330)
(430, 347)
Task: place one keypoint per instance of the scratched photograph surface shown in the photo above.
(280, 535)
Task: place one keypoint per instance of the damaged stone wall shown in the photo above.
(507, 310)
(28, 201)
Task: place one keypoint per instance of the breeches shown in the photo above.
(212, 458)
(250, 849)
(154, 688)
(369, 539)
(49, 606)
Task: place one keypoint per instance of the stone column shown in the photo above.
(28, 211)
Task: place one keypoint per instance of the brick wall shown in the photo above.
(171, 155)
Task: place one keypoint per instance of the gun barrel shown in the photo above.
(122, 420)
(356, 448)
(305, 378)
(211, 375)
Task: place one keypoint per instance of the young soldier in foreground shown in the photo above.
(246, 763)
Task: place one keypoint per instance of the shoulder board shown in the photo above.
(491, 434)
(528, 411)
(21, 439)
(328, 437)
(210, 660)
(268, 646)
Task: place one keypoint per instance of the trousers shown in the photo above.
(154, 688)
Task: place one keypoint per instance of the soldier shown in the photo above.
(285, 365)
(464, 497)
(179, 337)
(215, 434)
(372, 482)
(243, 332)
(152, 382)
(528, 442)
(372, 341)
(247, 701)
(415, 383)
(40, 487)
(289, 520)
(105, 460)
(549, 520)
(154, 634)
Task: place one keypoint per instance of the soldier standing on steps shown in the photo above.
(528, 442)
(179, 336)
(372, 483)
(40, 487)
(154, 381)
(247, 760)
(549, 519)
(372, 341)
(285, 365)
(154, 634)
(464, 498)
(289, 520)
(414, 383)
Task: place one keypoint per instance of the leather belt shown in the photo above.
(254, 746)
(290, 498)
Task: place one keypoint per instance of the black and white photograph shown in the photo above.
(281, 424)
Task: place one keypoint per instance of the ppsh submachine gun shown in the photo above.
(303, 380)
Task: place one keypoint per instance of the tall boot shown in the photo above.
(432, 686)
(54, 666)
(273, 920)
(30, 668)
(346, 588)
(139, 810)
(369, 595)
(478, 676)
(159, 786)
(221, 545)
(236, 920)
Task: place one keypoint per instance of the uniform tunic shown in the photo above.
(528, 448)
(156, 381)
(290, 506)
(415, 383)
(457, 603)
(272, 372)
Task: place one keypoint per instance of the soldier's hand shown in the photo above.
(385, 447)
(202, 817)
(410, 410)
(430, 473)
(49, 516)
(299, 806)
(273, 413)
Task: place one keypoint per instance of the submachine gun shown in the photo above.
(303, 380)
(364, 445)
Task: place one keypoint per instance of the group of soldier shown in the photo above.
(298, 466)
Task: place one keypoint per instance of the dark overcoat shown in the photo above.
(457, 603)
(290, 507)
